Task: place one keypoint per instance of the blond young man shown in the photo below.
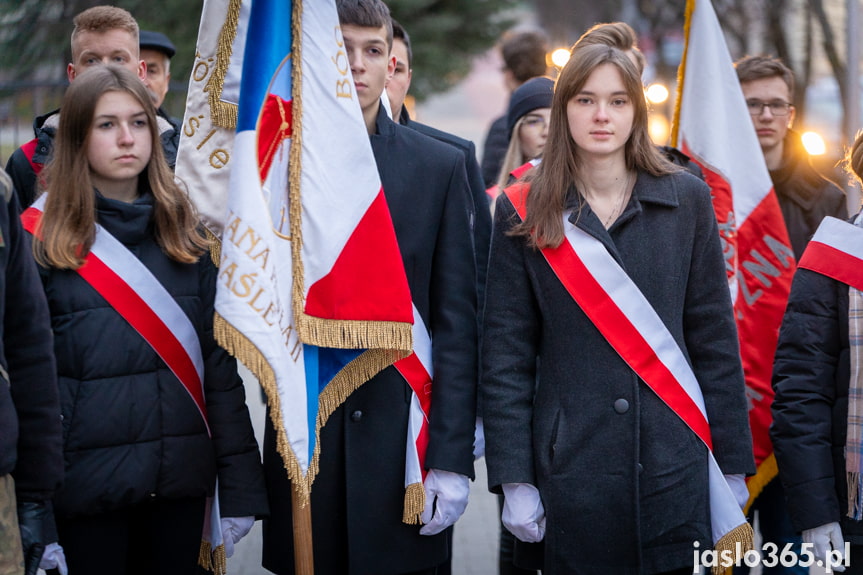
(102, 35)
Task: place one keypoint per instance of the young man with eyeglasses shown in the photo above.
(805, 198)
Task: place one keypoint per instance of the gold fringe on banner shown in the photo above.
(736, 542)
(415, 502)
(350, 334)
(239, 346)
(223, 114)
(350, 378)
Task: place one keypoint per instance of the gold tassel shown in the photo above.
(737, 541)
(215, 562)
(415, 502)
(205, 558)
(220, 561)
(215, 247)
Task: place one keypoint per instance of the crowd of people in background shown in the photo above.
(114, 457)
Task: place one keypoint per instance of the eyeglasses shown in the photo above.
(778, 108)
(534, 122)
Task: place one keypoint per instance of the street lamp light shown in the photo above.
(813, 143)
(656, 93)
(560, 57)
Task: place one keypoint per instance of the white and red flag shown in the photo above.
(713, 127)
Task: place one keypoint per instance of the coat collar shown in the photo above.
(384, 126)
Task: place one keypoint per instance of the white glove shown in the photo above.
(234, 529)
(446, 498)
(821, 538)
(523, 513)
(478, 440)
(54, 558)
(737, 483)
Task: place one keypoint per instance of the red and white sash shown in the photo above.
(494, 191)
(138, 296)
(141, 300)
(836, 251)
(417, 371)
(624, 316)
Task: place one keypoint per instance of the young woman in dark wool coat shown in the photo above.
(605, 244)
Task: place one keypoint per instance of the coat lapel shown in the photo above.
(648, 189)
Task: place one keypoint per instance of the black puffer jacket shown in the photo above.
(805, 196)
(26, 162)
(30, 437)
(131, 431)
(810, 410)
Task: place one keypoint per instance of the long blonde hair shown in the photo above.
(68, 225)
(514, 157)
(553, 178)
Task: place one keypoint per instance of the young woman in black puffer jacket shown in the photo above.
(145, 435)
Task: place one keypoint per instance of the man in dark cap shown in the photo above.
(157, 51)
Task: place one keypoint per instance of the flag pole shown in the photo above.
(304, 563)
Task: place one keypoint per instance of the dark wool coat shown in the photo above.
(622, 478)
(358, 496)
(494, 150)
(805, 196)
(30, 436)
(480, 213)
(810, 410)
(131, 431)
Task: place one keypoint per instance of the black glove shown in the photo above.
(36, 520)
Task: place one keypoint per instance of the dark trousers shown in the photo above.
(160, 536)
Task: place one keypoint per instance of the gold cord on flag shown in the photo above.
(223, 114)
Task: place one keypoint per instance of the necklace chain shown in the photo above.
(619, 204)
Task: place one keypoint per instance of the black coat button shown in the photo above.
(640, 468)
(357, 415)
(621, 405)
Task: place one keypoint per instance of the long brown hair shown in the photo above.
(553, 178)
(852, 163)
(68, 226)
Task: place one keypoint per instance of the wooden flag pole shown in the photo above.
(304, 563)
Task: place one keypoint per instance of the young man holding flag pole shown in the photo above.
(315, 331)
